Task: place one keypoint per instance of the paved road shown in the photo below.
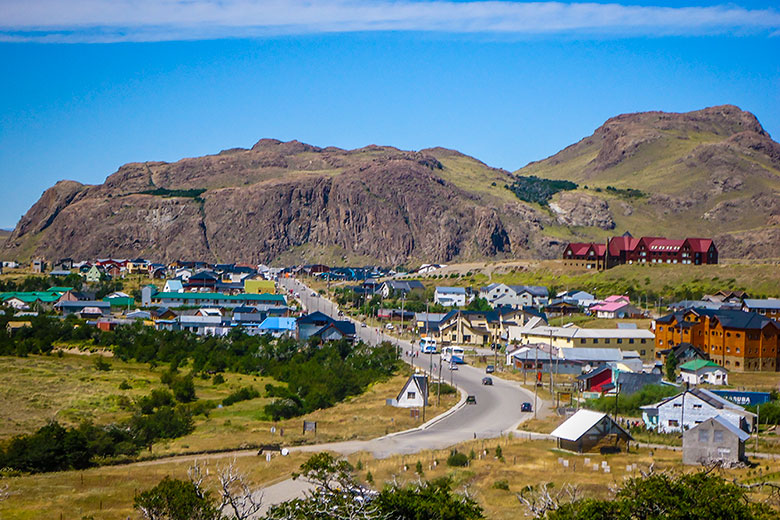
(497, 410)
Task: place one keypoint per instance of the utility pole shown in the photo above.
(536, 378)
(438, 386)
(552, 391)
(758, 422)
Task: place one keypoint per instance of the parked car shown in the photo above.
(363, 325)
(313, 294)
(487, 381)
(389, 326)
(490, 369)
(526, 407)
(453, 366)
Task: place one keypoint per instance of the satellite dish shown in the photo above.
(285, 452)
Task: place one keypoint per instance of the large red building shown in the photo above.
(626, 249)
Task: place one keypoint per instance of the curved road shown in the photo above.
(497, 410)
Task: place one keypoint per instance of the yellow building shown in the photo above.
(259, 286)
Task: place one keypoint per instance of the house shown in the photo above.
(162, 313)
(60, 273)
(209, 299)
(597, 380)
(451, 296)
(205, 311)
(174, 286)
(701, 371)
(429, 268)
(587, 430)
(630, 383)
(479, 327)
(310, 324)
(579, 298)
(427, 322)
(516, 296)
(137, 266)
(769, 307)
(203, 280)
(736, 340)
(93, 308)
(573, 336)
(683, 353)
(692, 407)
(336, 330)
(13, 326)
(715, 440)
(259, 286)
(277, 327)
(138, 315)
(93, 275)
(400, 287)
(615, 307)
(626, 249)
(38, 265)
(204, 325)
(43, 300)
(414, 393)
(559, 307)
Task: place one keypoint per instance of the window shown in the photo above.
(620, 340)
(595, 341)
(677, 405)
(697, 406)
(631, 341)
(674, 422)
(644, 341)
(582, 340)
(606, 341)
(718, 436)
(661, 329)
(411, 395)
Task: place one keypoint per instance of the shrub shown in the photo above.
(540, 191)
(124, 385)
(242, 394)
(101, 364)
(218, 379)
(457, 459)
(501, 484)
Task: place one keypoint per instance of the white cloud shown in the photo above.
(156, 20)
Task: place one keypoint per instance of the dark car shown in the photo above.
(472, 399)
(490, 369)
(526, 407)
(487, 381)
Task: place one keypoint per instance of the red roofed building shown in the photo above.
(646, 250)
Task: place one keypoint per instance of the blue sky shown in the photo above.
(90, 85)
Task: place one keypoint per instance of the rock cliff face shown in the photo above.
(256, 205)
(714, 172)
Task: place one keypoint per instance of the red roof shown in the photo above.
(579, 248)
(622, 243)
(699, 245)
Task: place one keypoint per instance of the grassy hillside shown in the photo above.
(669, 282)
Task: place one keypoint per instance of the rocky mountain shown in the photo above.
(712, 172)
(715, 171)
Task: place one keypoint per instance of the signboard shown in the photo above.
(309, 426)
(743, 398)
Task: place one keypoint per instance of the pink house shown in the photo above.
(615, 306)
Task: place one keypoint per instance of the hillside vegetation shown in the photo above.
(709, 172)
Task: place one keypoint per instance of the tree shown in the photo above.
(670, 367)
(702, 495)
(174, 499)
(479, 304)
(427, 500)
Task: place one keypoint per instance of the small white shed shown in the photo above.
(414, 394)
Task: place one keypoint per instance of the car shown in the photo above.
(472, 399)
(313, 294)
(526, 407)
(453, 366)
(363, 325)
(341, 313)
(487, 381)
(389, 326)
(490, 369)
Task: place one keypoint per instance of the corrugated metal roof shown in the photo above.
(578, 425)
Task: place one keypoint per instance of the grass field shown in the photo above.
(756, 278)
(70, 389)
(107, 493)
(531, 463)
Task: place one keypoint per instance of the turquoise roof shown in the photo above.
(31, 297)
(274, 323)
(697, 364)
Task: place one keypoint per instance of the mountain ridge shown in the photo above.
(717, 169)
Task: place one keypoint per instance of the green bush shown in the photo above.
(501, 484)
(218, 379)
(457, 459)
(540, 191)
(124, 385)
(242, 394)
(630, 404)
(101, 364)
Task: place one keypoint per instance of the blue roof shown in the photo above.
(451, 290)
(274, 323)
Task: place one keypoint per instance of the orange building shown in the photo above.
(737, 340)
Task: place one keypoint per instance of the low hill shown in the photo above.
(711, 172)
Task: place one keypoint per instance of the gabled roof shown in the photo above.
(420, 382)
(273, 323)
(314, 317)
(771, 303)
(594, 373)
(580, 423)
(698, 364)
(699, 245)
(741, 434)
(451, 290)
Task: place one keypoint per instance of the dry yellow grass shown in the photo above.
(362, 417)
(107, 493)
(528, 463)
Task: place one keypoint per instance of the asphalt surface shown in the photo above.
(497, 408)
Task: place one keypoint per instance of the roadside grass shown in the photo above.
(759, 381)
(528, 463)
(106, 493)
(243, 424)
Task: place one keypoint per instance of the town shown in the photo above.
(600, 375)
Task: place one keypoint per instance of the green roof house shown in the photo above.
(701, 371)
